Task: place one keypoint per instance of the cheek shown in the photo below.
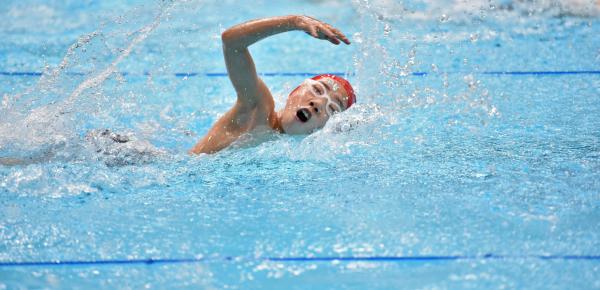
(293, 101)
(318, 122)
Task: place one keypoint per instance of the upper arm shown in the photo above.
(242, 73)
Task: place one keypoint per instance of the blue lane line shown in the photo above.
(565, 72)
(177, 74)
(306, 74)
(20, 74)
(299, 259)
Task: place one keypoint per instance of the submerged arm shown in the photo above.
(238, 60)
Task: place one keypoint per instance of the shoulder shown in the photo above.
(261, 102)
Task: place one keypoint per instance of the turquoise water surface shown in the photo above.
(471, 160)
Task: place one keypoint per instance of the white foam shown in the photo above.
(460, 10)
(38, 120)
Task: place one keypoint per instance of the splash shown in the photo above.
(100, 77)
(477, 10)
(45, 120)
(384, 75)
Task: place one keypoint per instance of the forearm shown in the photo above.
(247, 33)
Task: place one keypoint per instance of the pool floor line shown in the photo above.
(306, 74)
(396, 259)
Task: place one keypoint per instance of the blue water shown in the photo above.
(471, 160)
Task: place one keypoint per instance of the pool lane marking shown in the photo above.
(396, 259)
(306, 74)
(566, 72)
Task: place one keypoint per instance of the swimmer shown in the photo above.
(308, 106)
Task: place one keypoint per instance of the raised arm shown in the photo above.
(240, 66)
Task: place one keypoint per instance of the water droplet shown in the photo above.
(471, 82)
(387, 28)
(474, 37)
(357, 37)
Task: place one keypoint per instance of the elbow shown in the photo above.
(227, 36)
(233, 39)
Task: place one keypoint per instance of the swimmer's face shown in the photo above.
(311, 104)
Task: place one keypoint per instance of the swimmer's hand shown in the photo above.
(320, 30)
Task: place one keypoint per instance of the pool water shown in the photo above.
(471, 160)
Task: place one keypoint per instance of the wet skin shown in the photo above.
(307, 106)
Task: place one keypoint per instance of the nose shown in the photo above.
(317, 105)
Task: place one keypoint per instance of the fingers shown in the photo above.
(330, 35)
(322, 30)
(341, 36)
(313, 31)
(334, 35)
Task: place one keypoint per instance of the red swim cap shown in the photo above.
(344, 83)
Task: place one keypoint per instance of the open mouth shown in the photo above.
(303, 114)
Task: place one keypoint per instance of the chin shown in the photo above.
(294, 130)
(291, 125)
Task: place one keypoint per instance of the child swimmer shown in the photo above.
(308, 107)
